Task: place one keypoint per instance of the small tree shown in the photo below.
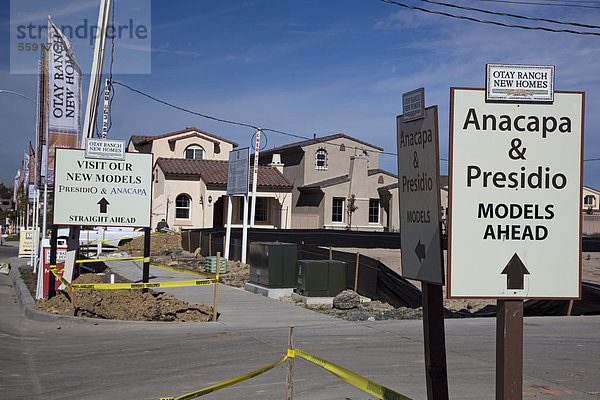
(350, 209)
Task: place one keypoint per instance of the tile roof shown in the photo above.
(308, 142)
(380, 171)
(327, 182)
(214, 172)
(143, 139)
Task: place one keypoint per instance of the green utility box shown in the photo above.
(210, 265)
(321, 278)
(273, 264)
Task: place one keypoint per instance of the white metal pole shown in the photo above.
(228, 231)
(105, 111)
(255, 177)
(91, 109)
(245, 229)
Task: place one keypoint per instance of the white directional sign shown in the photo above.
(419, 193)
(102, 192)
(515, 197)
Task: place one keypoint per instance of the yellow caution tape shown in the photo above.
(60, 278)
(225, 384)
(182, 270)
(352, 378)
(144, 285)
(147, 259)
(291, 353)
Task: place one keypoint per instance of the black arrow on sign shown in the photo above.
(420, 251)
(514, 271)
(103, 203)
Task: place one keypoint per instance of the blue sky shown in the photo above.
(305, 67)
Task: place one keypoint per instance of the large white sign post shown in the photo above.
(102, 192)
(515, 198)
(419, 194)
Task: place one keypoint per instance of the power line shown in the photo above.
(254, 127)
(512, 15)
(545, 4)
(538, 28)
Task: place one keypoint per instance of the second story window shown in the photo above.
(194, 153)
(321, 160)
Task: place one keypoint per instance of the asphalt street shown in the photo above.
(44, 357)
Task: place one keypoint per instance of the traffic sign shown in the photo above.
(419, 193)
(515, 197)
(102, 192)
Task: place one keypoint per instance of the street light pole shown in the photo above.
(18, 94)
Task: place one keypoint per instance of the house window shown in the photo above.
(261, 212)
(374, 211)
(337, 210)
(194, 153)
(182, 206)
(588, 201)
(321, 160)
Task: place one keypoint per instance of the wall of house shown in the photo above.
(338, 159)
(178, 147)
(163, 203)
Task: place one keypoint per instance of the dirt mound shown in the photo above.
(158, 242)
(130, 305)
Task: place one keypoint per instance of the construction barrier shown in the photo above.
(367, 385)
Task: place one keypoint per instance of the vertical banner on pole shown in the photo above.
(255, 177)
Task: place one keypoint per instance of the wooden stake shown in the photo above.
(289, 388)
(216, 287)
(356, 273)
(570, 308)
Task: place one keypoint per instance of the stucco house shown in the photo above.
(189, 185)
(336, 180)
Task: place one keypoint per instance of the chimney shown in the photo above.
(358, 171)
(276, 162)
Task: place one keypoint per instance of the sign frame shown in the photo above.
(89, 190)
(543, 276)
(420, 211)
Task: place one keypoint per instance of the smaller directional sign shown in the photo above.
(102, 192)
(419, 193)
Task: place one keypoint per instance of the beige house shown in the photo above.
(189, 188)
(336, 180)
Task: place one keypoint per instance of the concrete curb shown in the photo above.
(27, 304)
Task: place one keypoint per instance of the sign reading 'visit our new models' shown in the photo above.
(102, 192)
(515, 197)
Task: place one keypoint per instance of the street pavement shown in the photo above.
(46, 357)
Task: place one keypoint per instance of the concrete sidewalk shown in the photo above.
(238, 308)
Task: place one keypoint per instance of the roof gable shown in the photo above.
(325, 140)
(139, 140)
